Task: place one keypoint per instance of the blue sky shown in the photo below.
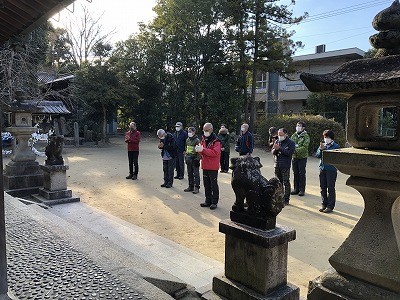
(344, 30)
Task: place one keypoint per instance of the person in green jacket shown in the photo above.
(224, 138)
(299, 162)
(192, 159)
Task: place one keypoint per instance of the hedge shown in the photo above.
(315, 125)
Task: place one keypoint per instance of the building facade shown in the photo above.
(278, 95)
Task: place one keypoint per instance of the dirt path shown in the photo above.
(97, 176)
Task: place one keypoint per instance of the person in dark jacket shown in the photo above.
(282, 151)
(180, 136)
(210, 150)
(168, 154)
(192, 159)
(245, 142)
(224, 138)
(132, 139)
(327, 173)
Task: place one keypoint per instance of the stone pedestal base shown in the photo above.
(255, 263)
(235, 291)
(55, 197)
(55, 186)
(334, 286)
(22, 178)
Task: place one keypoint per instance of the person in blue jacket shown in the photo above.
(283, 150)
(327, 173)
(180, 136)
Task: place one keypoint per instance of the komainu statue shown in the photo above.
(54, 150)
(264, 197)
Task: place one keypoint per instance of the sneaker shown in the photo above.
(134, 177)
(180, 178)
(322, 208)
(205, 204)
(176, 177)
(129, 176)
(168, 186)
(328, 210)
(189, 189)
(213, 206)
(196, 190)
(294, 192)
(163, 185)
(301, 194)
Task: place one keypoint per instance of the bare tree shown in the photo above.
(84, 32)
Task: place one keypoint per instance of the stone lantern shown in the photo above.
(367, 264)
(22, 175)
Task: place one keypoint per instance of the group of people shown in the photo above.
(293, 152)
(183, 147)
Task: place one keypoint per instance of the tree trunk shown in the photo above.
(104, 138)
(253, 110)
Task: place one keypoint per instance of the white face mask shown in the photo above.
(190, 134)
(327, 140)
(299, 129)
(178, 128)
(243, 129)
(207, 133)
(281, 137)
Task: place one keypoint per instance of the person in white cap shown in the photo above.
(180, 136)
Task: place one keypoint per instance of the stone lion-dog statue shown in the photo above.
(264, 197)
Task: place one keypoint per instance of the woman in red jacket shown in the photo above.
(210, 149)
(132, 138)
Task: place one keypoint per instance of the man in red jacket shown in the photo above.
(210, 150)
(132, 138)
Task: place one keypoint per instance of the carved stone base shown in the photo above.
(232, 290)
(334, 286)
(22, 178)
(253, 221)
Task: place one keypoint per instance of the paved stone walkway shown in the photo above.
(73, 251)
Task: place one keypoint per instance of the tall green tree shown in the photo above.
(326, 105)
(259, 40)
(191, 33)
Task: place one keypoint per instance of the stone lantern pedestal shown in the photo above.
(55, 186)
(22, 175)
(367, 264)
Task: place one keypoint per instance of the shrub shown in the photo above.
(315, 125)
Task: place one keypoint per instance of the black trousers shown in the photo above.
(224, 161)
(133, 157)
(299, 174)
(168, 170)
(211, 189)
(327, 181)
(180, 165)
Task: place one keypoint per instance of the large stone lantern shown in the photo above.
(367, 264)
(22, 175)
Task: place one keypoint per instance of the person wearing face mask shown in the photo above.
(282, 151)
(180, 136)
(192, 159)
(245, 142)
(210, 150)
(132, 139)
(299, 163)
(224, 137)
(327, 173)
(168, 153)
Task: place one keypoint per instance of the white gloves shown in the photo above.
(198, 148)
